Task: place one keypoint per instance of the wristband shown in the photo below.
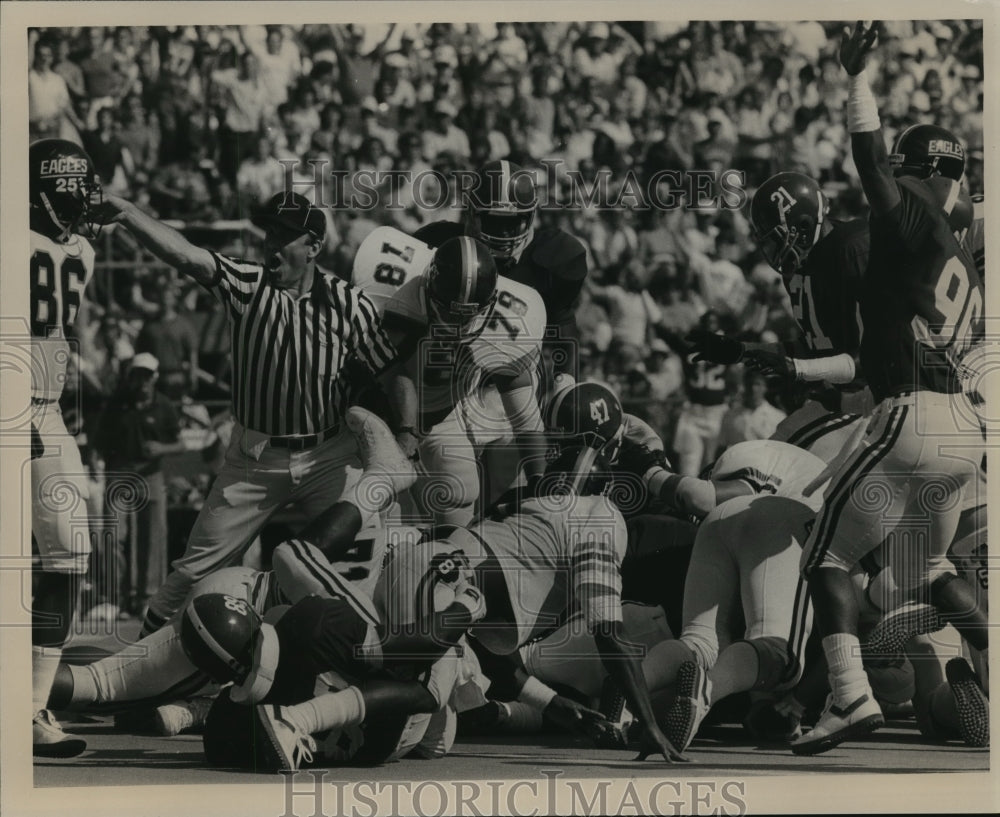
(862, 111)
(837, 369)
(536, 694)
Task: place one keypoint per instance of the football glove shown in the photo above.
(770, 364)
(714, 348)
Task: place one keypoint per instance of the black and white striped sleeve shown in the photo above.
(369, 342)
(236, 282)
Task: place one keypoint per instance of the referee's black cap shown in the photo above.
(292, 212)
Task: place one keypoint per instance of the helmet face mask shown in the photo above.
(925, 151)
(501, 209)
(219, 635)
(65, 191)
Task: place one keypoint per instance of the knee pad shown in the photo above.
(776, 667)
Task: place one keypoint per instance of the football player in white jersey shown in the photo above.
(547, 555)
(63, 188)
(470, 343)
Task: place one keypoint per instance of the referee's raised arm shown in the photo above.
(164, 242)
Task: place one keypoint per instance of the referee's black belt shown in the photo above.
(44, 401)
(300, 442)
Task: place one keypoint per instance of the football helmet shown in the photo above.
(223, 636)
(955, 201)
(928, 150)
(64, 190)
(585, 423)
(501, 208)
(786, 218)
(461, 283)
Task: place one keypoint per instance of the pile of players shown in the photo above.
(570, 579)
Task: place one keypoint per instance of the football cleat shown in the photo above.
(973, 705)
(615, 710)
(689, 707)
(838, 724)
(49, 740)
(387, 468)
(286, 747)
(172, 719)
(888, 638)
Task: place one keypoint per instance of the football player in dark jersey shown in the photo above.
(500, 212)
(921, 303)
(821, 262)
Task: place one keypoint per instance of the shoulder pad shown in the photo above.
(437, 232)
(561, 253)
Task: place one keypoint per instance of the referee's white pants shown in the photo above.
(909, 476)
(249, 489)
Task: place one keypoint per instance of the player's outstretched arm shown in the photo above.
(163, 241)
(622, 661)
(867, 139)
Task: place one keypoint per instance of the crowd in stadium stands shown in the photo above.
(190, 122)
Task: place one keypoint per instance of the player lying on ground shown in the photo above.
(547, 554)
(470, 344)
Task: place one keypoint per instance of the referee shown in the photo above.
(295, 331)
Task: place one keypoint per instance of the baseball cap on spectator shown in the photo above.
(292, 212)
(446, 55)
(144, 360)
(444, 108)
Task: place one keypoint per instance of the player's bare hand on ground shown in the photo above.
(653, 741)
(573, 716)
(769, 364)
(855, 46)
(713, 348)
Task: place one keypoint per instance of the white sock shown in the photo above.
(847, 673)
(332, 710)
(44, 663)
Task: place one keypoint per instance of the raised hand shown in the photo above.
(856, 45)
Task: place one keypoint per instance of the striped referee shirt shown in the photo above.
(291, 352)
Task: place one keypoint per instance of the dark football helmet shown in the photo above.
(501, 208)
(928, 150)
(461, 283)
(223, 636)
(786, 217)
(64, 190)
(585, 423)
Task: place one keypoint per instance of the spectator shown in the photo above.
(67, 68)
(101, 75)
(393, 90)
(357, 71)
(112, 161)
(372, 129)
(663, 371)
(260, 176)
(243, 102)
(175, 108)
(631, 312)
(279, 65)
(180, 190)
(754, 418)
(444, 136)
(715, 69)
(173, 341)
(137, 429)
(50, 110)
(140, 136)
